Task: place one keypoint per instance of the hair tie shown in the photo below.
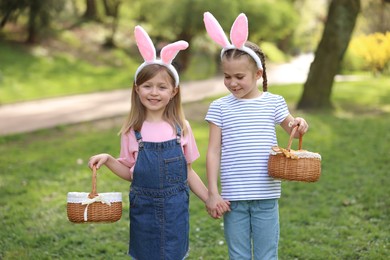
(148, 53)
(238, 35)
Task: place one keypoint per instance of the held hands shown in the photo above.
(216, 206)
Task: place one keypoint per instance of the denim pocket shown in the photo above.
(267, 204)
(132, 199)
(174, 169)
(233, 205)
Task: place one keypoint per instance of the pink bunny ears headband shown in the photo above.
(148, 52)
(238, 35)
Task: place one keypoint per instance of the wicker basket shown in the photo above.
(300, 165)
(84, 207)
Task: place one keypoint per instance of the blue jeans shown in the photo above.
(252, 226)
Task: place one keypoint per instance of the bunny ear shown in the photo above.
(239, 31)
(215, 30)
(145, 44)
(169, 52)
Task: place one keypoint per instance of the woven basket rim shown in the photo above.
(79, 197)
(300, 154)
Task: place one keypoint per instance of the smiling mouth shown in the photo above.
(153, 100)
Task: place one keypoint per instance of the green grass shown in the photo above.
(26, 76)
(345, 215)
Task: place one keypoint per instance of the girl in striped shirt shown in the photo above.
(241, 134)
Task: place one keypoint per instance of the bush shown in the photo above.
(374, 49)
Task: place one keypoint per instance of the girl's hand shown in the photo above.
(98, 160)
(303, 126)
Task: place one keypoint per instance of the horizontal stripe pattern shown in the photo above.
(248, 133)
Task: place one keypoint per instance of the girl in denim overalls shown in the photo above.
(157, 149)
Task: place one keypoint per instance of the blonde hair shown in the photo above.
(173, 113)
(236, 53)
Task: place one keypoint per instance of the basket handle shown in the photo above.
(93, 193)
(292, 137)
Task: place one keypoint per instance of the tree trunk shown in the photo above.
(382, 19)
(34, 10)
(5, 19)
(112, 10)
(339, 26)
(91, 12)
(184, 56)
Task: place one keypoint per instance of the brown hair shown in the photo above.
(173, 113)
(236, 53)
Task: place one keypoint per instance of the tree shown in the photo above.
(337, 33)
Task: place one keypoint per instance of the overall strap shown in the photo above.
(178, 134)
(139, 139)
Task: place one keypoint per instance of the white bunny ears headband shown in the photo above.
(238, 35)
(148, 52)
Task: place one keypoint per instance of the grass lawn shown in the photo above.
(30, 73)
(345, 215)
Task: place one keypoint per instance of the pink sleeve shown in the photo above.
(190, 149)
(129, 150)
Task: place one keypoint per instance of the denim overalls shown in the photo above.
(159, 201)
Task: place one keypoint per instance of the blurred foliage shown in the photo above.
(273, 21)
(294, 26)
(375, 16)
(165, 20)
(308, 31)
(273, 54)
(374, 49)
(268, 20)
(39, 15)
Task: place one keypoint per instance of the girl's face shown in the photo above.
(240, 77)
(156, 93)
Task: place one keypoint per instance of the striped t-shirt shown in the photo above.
(248, 133)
